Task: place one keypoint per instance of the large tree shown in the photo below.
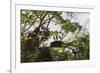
(35, 30)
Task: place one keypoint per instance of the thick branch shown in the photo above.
(50, 20)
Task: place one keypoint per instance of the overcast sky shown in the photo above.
(81, 18)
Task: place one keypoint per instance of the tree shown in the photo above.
(35, 30)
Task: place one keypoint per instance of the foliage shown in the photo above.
(35, 30)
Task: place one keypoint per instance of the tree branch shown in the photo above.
(50, 20)
(29, 26)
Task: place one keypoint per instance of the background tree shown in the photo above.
(35, 30)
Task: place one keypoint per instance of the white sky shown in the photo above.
(81, 18)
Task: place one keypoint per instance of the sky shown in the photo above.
(81, 18)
